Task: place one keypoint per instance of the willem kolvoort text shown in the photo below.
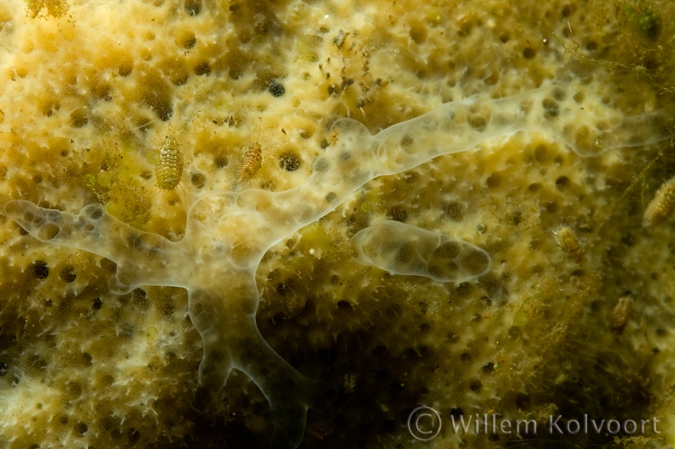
(556, 425)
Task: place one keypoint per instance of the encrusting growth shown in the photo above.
(660, 208)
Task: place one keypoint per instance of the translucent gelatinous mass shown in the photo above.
(401, 248)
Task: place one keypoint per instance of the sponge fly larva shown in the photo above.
(660, 208)
(169, 170)
(569, 243)
(251, 163)
(620, 314)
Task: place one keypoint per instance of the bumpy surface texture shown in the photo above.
(448, 204)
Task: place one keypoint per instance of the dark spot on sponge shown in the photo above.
(133, 436)
(37, 364)
(221, 162)
(645, 20)
(125, 69)
(406, 141)
(276, 89)
(188, 40)
(139, 299)
(551, 108)
(488, 368)
(562, 182)
(522, 401)
(78, 118)
(379, 351)
(40, 269)
(494, 180)
(290, 161)
(156, 94)
(193, 7)
(551, 207)
(80, 428)
(198, 180)
(398, 213)
(67, 274)
(453, 211)
(73, 390)
(345, 305)
(203, 68)
(478, 123)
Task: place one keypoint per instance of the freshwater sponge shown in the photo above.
(400, 248)
(228, 232)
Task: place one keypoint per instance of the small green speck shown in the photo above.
(153, 157)
(104, 179)
(129, 145)
(151, 333)
(89, 181)
(521, 320)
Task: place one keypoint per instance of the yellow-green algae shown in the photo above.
(529, 339)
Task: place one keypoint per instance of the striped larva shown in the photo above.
(569, 244)
(250, 163)
(169, 170)
(661, 206)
